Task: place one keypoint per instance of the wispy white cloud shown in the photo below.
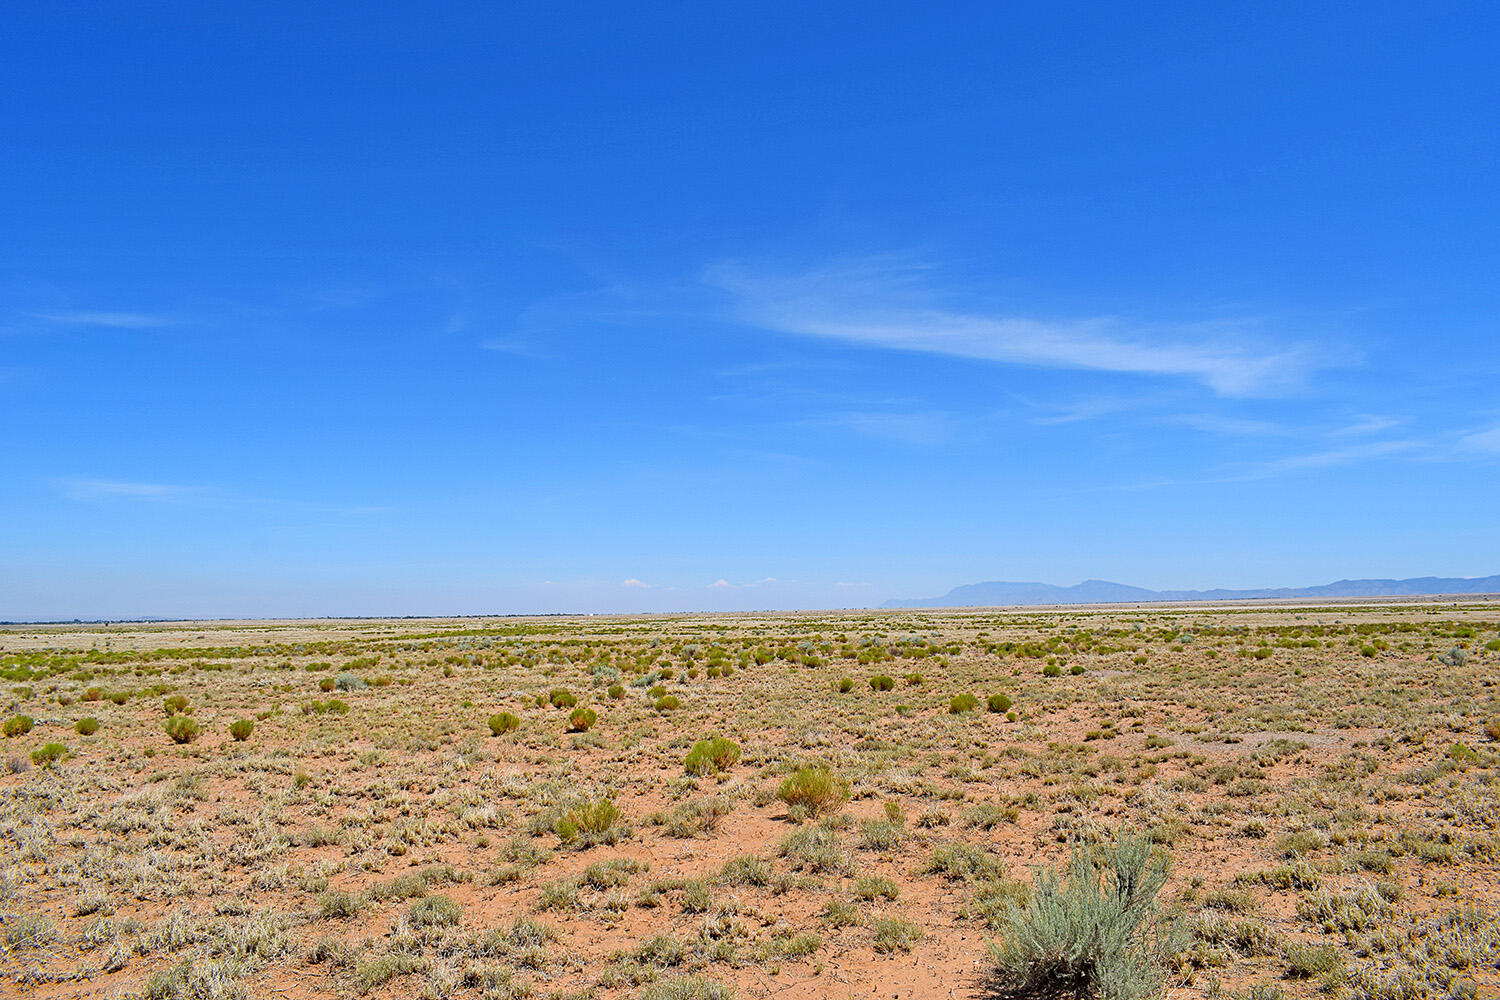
(515, 348)
(114, 320)
(1487, 440)
(1367, 423)
(1087, 409)
(893, 304)
(1319, 460)
(905, 428)
(723, 584)
(107, 489)
(634, 583)
(1217, 423)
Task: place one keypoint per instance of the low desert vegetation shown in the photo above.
(812, 791)
(182, 729)
(712, 756)
(960, 703)
(503, 722)
(1224, 803)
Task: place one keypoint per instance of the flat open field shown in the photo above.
(1321, 778)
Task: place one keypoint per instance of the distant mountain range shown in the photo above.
(1000, 593)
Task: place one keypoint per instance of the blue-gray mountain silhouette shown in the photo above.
(1000, 593)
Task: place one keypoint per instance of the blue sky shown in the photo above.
(384, 308)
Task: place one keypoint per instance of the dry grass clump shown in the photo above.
(813, 791)
(589, 823)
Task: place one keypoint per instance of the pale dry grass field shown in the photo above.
(522, 808)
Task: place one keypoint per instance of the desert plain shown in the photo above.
(841, 805)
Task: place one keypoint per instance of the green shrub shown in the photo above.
(182, 729)
(18, 725)
(668, 703)
(562, 698)
(49, 754)
(880, 682)
(1492, 728)
(1076, 669)
(336, 707)
(845, 685)
(711, 756)
(175, 705)
(617, 691)
(87, 726)
(93, 694)
(1091, 933)
(240, 729)
(326, 684)
(118, 697)
(913, 679)
(1052, 670)
(582, 720)
(503, 722)
(658, 691)
(962, 703)
(999, 703)
(813, 790)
